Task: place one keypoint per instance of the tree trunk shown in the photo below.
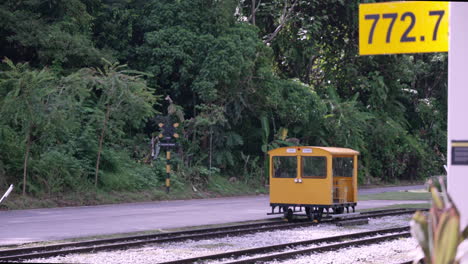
(255, 7)
(266, 169)
(311, 63)
(253, 12)
(101, 139)
(211, 147)
(283, 20)
(26, 157)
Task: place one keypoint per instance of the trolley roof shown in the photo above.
(330, 150)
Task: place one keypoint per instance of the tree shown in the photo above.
(37, 104)
(124, 100)
(31, 89)
(49, 33)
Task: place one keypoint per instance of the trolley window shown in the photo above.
(314, 167)
(284, 166)
(343, 167)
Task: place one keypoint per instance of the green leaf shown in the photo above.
(437, 201)
(447, 238)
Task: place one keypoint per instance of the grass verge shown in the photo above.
(217, 187)
(396, 196)
(398, 206)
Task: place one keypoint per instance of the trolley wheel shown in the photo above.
(314, 214)
(309, 213)
(288, 214)
(318, 214)
(338, 210)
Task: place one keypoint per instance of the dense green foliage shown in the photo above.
(241, 76)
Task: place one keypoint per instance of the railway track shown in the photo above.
(197, 234)
(335, 242)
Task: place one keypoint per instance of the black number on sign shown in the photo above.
(439, 13)
(393, 16)
(374, 17)
(405, 37)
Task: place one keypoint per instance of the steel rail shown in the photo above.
(363, 216)
(134, 241)
(274, 248)
(292, 254)
(138, 237)
(156, 236)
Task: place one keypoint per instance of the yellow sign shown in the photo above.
(403, 27)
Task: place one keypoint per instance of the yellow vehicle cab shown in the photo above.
(316, 179)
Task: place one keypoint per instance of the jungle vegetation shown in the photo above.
(83, 82)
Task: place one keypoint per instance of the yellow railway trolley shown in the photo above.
(316, 179)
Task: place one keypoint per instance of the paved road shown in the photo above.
(20, 226)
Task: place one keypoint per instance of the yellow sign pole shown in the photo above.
(168, 171)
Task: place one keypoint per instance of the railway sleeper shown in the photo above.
(352, 222)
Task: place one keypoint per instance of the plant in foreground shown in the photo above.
(438, 232)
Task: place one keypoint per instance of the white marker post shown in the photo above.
(7, 193)
(457, 124)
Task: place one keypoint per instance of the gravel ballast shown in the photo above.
(387, 252)
(395, 251)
